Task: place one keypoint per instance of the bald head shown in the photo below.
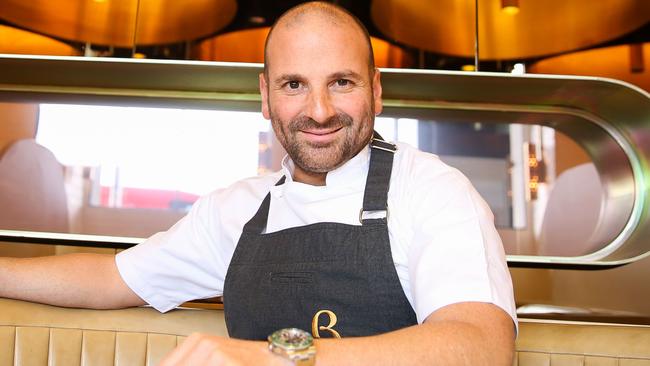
(297, 17)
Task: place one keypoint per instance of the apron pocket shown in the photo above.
(292, 277)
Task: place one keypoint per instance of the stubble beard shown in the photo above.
(322, 158)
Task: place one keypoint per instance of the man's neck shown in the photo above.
(314, 179)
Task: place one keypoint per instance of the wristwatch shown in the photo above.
(295, 345)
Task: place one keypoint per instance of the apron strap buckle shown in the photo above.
(379, 143)
(373, 215)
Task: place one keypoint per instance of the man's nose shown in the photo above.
(320, 107)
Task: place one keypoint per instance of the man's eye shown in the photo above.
(293, 85)
(342, 82)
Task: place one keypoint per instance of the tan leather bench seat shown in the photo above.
(565, 343)
(38, 335)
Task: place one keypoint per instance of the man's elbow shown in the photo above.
(475, 333)
(501, 342)
(504, 352)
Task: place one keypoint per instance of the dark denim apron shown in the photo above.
(284, 279)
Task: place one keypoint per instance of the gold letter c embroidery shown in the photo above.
(315, 327)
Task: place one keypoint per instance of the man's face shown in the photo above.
(320, 95)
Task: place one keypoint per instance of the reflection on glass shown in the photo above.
(135, 171)
(154, 158)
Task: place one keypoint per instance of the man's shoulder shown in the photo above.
(412, 161)
(417, 172)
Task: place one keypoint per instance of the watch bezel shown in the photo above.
(291, 339)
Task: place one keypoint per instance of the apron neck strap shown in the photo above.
(258, 223)
(375, 196)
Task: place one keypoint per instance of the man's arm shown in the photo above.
(73, 280)
(469, 333)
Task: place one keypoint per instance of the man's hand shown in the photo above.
(202, 349)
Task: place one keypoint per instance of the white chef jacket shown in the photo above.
(443, 240)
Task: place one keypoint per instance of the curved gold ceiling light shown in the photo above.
(248, 46)
(629, 63)
(389, 55)
(17, 41)
(538, 28)
(113, 22)
(239, 46)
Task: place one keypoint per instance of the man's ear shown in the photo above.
(376, 92)
(264, 92)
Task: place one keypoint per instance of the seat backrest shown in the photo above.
(36, 335)
(564, 343)
(573, 213)
(32, 189)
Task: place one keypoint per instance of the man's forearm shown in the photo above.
(459, 334)
(73, 280)
(485, 339)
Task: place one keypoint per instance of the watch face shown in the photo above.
(291, 339)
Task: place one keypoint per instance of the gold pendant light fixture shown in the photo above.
(508, 29)
(511, 7)
(228, 47)
(629, 62)
(121, 23)
(18, 41)
(238, 46)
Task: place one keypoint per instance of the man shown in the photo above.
(417, 277)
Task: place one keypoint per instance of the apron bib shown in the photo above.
(331, 278)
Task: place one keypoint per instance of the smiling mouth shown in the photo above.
(322, 137)
(321, 132)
